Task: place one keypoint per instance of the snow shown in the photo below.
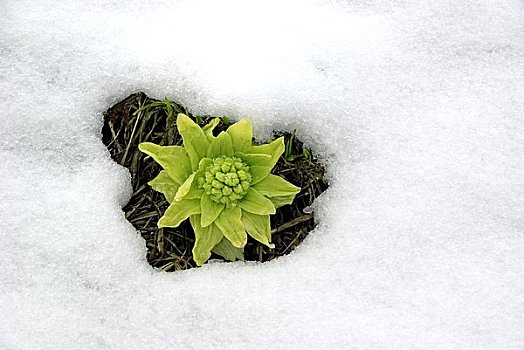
(416, 108)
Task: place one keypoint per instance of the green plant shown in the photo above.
(290, 151)
(222, 184)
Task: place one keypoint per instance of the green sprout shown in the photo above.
(222, 184)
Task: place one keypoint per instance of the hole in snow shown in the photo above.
(135, 120)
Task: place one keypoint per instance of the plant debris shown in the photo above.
(138, 119)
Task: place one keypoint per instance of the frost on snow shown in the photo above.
(416, 108)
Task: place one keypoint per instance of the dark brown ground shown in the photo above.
(138, 119)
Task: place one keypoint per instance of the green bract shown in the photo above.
(222, 184)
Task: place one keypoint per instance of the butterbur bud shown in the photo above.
(226, 180)
(221, 183)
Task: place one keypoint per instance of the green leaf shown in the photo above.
(165, 184)
(178, 212)
(195, 141)
(226, 250)
(190, 189)
(205, 239)
(306, 153)
(209, 127)
(258, 173)
(274, 149)
(288, 152)
(149, 105)
(221, 146)
(184, 189)
(256, 203)
(252, 159)
(173, 159)
(169, 108)
(280, 201)
(210, 210)
(275, 186)
(230, 223)
(241, 134)
(258, 227)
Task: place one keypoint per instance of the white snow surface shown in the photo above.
(415, 107)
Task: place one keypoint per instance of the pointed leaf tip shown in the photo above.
(274, 149)
(225, 249)
(256, 203)
(195, 140)
(258, 227)
(206, 238)
(178, 212)
(221, 146)
(165, 184)
(210, 210)
(209, 127)
(230, 223)
(173, 159)
(241, 134)
(275, 186)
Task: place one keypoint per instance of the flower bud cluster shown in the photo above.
(226, 181)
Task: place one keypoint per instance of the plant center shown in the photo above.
(226, 181)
